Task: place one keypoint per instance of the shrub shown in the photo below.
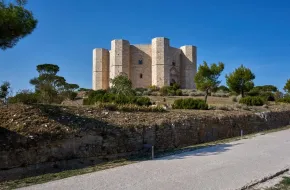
(198, 93)
(220, 94)
(140, 89)
(154, 93)
(253, 92)
(178, 92)
(268, 96)
(190, 103)
(153, 88)
(234, 99)
(143, 101)
(164, 90)
(252, 101)
(284, 100)
(138, 93)
(25, 97)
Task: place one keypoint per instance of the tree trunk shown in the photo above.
(243, 93)
(206, 94)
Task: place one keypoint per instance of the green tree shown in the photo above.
(16, 22)
(122, 85)
(206, 78)
(223, 88)
(48, 85)
(240, 80)
(4, 91)
(266, 88)
(287, 86)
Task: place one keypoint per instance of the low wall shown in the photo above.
(26, 157)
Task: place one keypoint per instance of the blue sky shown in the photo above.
(255, 33)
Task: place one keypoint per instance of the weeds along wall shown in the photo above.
(98, 142)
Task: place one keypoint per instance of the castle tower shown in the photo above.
(100, 69)
(188, 67)
(119, 58)
(160, 63)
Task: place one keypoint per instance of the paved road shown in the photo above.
(226, 166)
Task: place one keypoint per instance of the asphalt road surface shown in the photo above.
(222, 167)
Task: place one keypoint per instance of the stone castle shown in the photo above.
(156, 64)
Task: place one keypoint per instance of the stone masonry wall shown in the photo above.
(100, 68)
(112, 142)
(119, 58)
(160, 62)
(141, 73)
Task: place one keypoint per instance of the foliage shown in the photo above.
(171, 90)
(121, 85)
(16, 22)
(25, 97)
(266, 88)
(198, 93)
(223, 88)
(287, 86)
(267, 92)
(102, 96)
(178, 92)
(50, 87)
(240, 80)
(220, 94)
(164, 90)
(284, 100)
(206, 78)
(129, 107)
(84, 89)
(252, 101)
(154, 88)
(190, 103)
(4, 90)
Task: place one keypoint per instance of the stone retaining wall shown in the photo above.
(29, 157)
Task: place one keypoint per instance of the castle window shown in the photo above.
(140, 62)
(141, 76)
(173, 63)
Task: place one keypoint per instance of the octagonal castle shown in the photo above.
(145, 64)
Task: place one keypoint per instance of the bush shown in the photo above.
(178, 92)
(284, 100)
(164, 90)
(252, 101)
(143, 101)
(234, 99)
(108, 97)
(268, 96)
(25, 97)
(153, 88)
(190, 103)
(254, 92)
(198, 93)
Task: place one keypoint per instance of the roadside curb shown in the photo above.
(256, 182)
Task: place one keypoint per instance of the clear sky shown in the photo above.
(255, 33)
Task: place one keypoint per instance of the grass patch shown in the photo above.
(69, 173)
(283, 185)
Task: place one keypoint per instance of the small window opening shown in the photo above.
(140, 62)
(173, 63)
(141, 76)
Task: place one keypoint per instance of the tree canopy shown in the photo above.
(122, 85)
(266, 88)
(240, 80)
(16, 22)
(206, 78)
(4, 90)
(51, 87)
(287, 86)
